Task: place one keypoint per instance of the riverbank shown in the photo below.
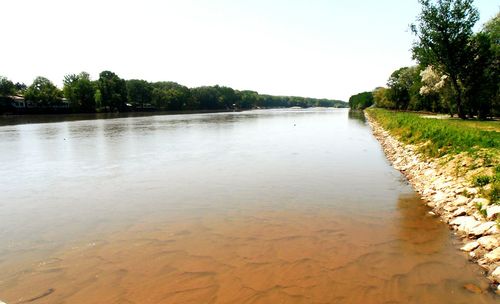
(458, 183)
(50, 118)
(16, 119)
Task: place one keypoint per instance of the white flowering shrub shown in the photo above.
(432, 81)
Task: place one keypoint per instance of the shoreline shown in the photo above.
(442, 189)
(17, 119)
(60, 117)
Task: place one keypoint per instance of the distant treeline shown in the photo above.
(111, 93)
(458, 71)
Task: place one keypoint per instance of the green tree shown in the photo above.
(207, 97)
(227, 97)
(492, 73)
(98, 100)
(172, 96)
(43, 91)
(381, 98)
(361, 101)
(401, 86)
(113, 91)
(139, 92)
(248, 99)
(492, 29)
(80, 92)
(482, 77)
(443, 34)
(7, 87)
(20, 88)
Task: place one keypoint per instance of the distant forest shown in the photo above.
(110, 93)
(458, 71)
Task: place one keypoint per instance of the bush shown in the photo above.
(481, 180)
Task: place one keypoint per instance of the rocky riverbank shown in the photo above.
(445, 184)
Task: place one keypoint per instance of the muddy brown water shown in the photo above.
(267, 206)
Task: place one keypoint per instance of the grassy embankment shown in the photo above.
(476, 144)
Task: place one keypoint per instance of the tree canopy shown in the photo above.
(80, 91)
(110, 93)
(139, 92)
(113, 91)
(361, 101)
(43, 91)
(458, 71)
(7, 87)
(443, 31)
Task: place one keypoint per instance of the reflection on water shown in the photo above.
(358, 115)
(53, 118)
(256, 207)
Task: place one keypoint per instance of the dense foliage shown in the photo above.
(444, 32)
(110, 93)
(43, 92)
(361, 101)
(80, 91)
(458, 71)
(7, 87)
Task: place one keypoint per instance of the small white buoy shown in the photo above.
(2, 302)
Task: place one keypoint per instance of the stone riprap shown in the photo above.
(451, 196)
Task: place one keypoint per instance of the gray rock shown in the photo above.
(493, 230)
(472, 190)
(430, 172)
(440, 196)
(444, 186)
(450, 208)
(428, 191)
(482, 228)
(470, 246)
(492, 211)
(493, 255)
(489, 242)
(465, 223)
(460, 211)
(480, 201)
(478, 215)
(461, 200)
(496, 274)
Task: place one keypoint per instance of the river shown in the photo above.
(263, 206)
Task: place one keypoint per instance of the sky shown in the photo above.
(314, 48)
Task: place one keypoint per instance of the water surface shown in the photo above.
(267, 206)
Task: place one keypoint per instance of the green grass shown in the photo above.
(442, 136)
(481, 180)
(477, 124)
(494, 194)
(486, 125)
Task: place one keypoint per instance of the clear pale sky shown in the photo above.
(312, 48)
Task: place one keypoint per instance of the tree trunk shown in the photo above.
(460, 110)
